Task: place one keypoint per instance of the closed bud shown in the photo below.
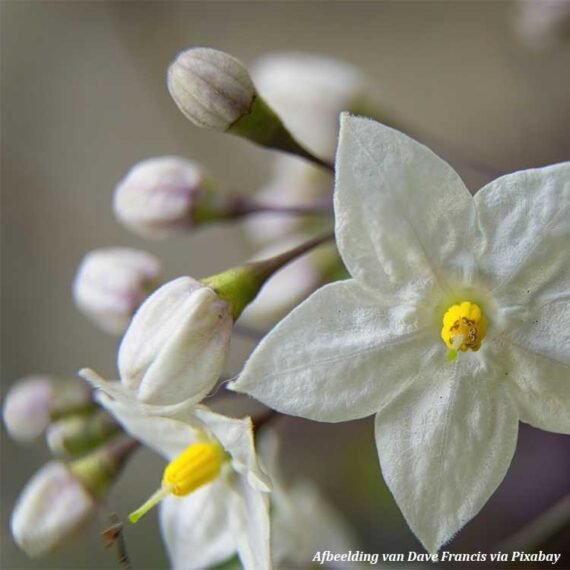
(52, 508)
(212, 88)
(111, 283)
(163, 196)
(60, 498)
(33, 402)
(175, 348)
(76, 434)
(176, 345)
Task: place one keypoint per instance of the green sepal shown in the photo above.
(238, 286)
(263, 126)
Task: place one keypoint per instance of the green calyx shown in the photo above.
(98, 470)
(77, 434)
(263, 126)
(238, 286)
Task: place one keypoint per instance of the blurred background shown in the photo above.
(84, 98)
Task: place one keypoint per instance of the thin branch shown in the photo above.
(241, 206)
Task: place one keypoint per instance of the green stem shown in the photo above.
(239, 286)
(263, 126)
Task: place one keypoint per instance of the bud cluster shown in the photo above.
(90, 449)
(176, 334)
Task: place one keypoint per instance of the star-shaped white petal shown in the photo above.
(416, 243)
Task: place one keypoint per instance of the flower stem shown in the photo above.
(241, 207)
(263, 126)
(239, 286)
(266, 267)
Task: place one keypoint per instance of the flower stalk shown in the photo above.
(241, 207)
(239, 285)
(263, 126)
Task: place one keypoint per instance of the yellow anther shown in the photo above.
(199, 464)
(464, 326)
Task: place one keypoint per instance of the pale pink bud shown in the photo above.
(34, 401)
(163, 196)
(51, 509)
(175, 347)
(111, 283)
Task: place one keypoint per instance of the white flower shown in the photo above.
(175, 347)
(228, 510)
(417, 245)
(52, 508)
(111, 283)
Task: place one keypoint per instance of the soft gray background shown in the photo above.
(84, 97)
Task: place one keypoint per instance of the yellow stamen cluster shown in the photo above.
(199, 464)
(464, 327)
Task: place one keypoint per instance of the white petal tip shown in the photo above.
(89, 375)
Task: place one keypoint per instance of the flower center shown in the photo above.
(464, 326)
(199, 464)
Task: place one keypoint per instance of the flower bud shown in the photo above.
(61, 498)
(77, 434)
(167, 195)
(52, 507)
(175, 348)
(111, 283)
(34, 401)
(212, 88)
